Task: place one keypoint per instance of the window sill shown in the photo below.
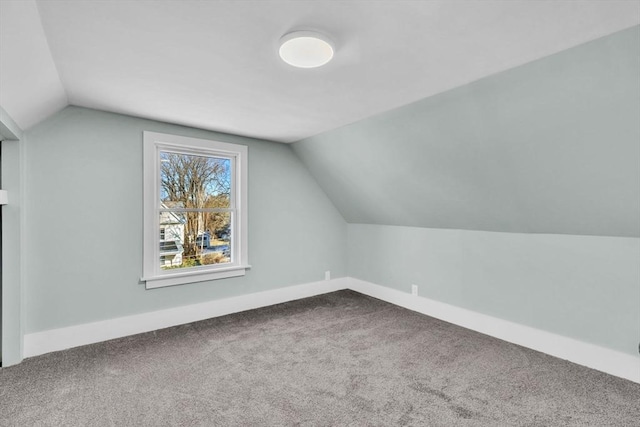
(173, 279)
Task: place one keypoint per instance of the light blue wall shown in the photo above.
(583, 287)
(84, 215)
(548, 147)
(13, 269)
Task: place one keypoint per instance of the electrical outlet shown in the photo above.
(414, 290)
(327, 275)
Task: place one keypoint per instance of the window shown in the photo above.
(195, 210)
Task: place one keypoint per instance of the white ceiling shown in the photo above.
(214, 64)
(30, 89)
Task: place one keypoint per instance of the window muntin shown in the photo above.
(195, 200)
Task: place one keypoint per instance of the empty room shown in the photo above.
(319, 213)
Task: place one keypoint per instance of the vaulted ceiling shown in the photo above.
(214, 64)
(552, 146)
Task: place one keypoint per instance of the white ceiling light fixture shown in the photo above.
(306, 49)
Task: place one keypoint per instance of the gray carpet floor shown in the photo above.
(341, 359)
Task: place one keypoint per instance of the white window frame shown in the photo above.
(153, 275)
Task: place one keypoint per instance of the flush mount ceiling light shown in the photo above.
(305, 49)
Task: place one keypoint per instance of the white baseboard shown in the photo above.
(88, 333)
(602, 359)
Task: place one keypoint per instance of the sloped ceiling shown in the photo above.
(549, 147)
(213, 64)
(515, 125)
(30, 89)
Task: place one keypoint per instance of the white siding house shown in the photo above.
(171, 238)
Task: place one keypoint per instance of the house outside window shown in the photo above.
(195, 210)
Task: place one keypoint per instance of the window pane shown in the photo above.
(189, 181)
(192, 239)
(218, 237)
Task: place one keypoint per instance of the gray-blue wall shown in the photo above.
(13, 228)
(548, 147)
(84, 222)
(582, 287)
